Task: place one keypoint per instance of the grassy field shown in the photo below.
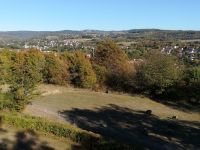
(119, 116)
(56, 99)
(25, 132)
(11, 137)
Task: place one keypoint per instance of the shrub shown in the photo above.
(5, 101)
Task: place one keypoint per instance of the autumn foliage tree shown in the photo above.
(26, 73)
(119, 71)
(5, 64)
(81, 71)
(55, 70)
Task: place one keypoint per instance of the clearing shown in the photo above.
(119, 116)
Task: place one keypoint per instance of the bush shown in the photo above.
(19, 94)
(6, 101)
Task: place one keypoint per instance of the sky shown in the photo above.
(54, 15)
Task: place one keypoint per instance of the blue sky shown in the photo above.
(99, 14)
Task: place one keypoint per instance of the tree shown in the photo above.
(26, 73)
(116, 62)
(101, 73)
(192, 78)
(55, 70)
(81, 71)
(159, 72)
(109, 55)
(5, 65)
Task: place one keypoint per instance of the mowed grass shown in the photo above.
(119, 116)
(55, 99)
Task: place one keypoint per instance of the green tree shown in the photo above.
(158, 73)
(55, 70)
(81, 71)
(5, 65)
(101, 73)
(26, 73)
(192, 77)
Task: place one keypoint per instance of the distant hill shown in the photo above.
(134, 33)
(26, 35)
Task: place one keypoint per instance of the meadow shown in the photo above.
(119, 116)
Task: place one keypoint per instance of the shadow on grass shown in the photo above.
(182, 98)
(25, 140)
(134, 127)
(183, 106)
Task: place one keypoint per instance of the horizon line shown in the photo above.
(162, 29)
